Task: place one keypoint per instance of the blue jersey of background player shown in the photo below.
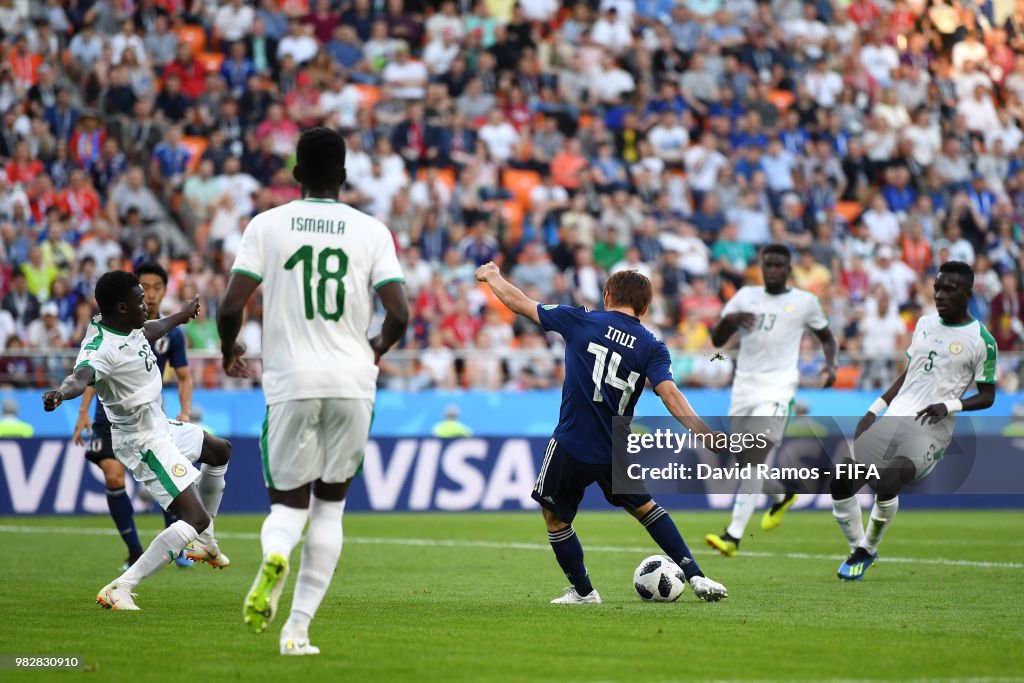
(609, 356)
(100, 451)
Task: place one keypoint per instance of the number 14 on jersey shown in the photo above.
(612, 359)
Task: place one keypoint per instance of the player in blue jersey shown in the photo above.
(100, 452)
(609, 356)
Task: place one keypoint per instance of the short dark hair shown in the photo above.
(959, 268)
(114, 288)
(780, 249)
(629, 288)
(152, 268)
(320, 158)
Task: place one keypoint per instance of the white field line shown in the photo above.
(494, 545)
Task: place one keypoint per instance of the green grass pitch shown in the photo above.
(463, 597)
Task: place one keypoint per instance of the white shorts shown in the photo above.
(892, 437)
(317, 438)
(767, 417)
(161, 459)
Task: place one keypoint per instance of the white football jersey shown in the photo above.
(944, 361)
(317, 259)
(767, 363)
(127, 377)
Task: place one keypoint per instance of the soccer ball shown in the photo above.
(659, 579)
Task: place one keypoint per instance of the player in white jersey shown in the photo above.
(318, 260)
(118, 360)
(949, 352)
(770, 322)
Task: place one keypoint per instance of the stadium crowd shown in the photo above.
(564, 140)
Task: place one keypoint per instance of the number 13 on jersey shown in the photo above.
(331, 265)
(612, 360)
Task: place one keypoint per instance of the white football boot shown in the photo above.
(295, 641)
(708, 590)
(571, 597)
(115, 597)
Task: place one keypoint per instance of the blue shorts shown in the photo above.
(563, 480)
(99, 447)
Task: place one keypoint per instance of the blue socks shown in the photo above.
(569, 554)
(664, 532)
(124, 519)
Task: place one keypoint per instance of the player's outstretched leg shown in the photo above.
(193, 519)
(743, 507)
(320, 552)
(281, 532)
(866, 552)
(663, 530)
(847, 513)
(120, 506)
(773, 516)
(781, 500)
(181, 560)
(569, 553)
(215, 456)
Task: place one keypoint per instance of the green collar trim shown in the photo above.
(111, 331)
(945, 324)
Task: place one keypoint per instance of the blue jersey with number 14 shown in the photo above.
(609, 356)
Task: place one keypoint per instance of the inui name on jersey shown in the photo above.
(620, 337)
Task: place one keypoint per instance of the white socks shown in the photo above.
(881, 517)
(320, 552)
(211, 487)
(848, 516)
(744, 505)
(282, 529)
(162, 550)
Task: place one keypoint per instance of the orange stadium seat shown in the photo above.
(513, 213)
(782, 99)
(211, 61)
(178, 269)
(196, 146)
(520, 182)
(445, 175)
(369, 95)
(849, 210)
(194, 37)
(847, 377)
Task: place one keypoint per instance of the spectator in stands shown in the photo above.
(880, 330)
(48, 331)
(20, 301)
(97, 247)
(10, 426)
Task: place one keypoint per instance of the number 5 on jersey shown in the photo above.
(628, 385)
(327, 271)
